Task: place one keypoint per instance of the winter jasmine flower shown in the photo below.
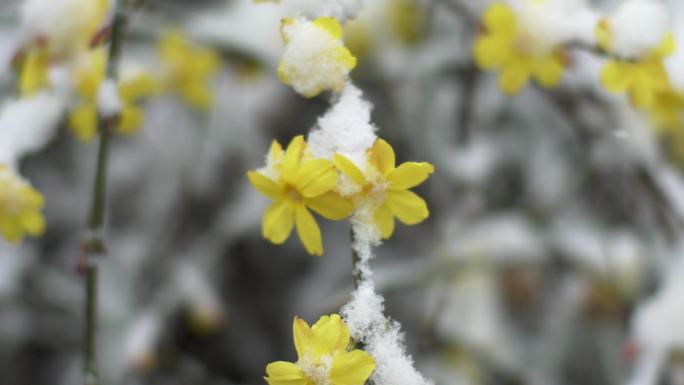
(386, 187)
(88, 79)
(642, 78)
(519, 54)
(323, 357)
(296, 182)
(188, 69)
(20, 206)
(315, 59)
(66, 26)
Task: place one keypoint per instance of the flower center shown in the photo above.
(527, 43)
(293, 193)
(317, 369)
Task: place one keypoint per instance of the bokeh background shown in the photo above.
(556, 216)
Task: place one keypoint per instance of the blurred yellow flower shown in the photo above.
(20, 206)
(33, 74)
(88, 77)
(406, 19)
(323, 357)
(296, 183)
(388, 186)
(642, 78)
(667, 111)
(315, 59)
(188, 69)
(520, 55)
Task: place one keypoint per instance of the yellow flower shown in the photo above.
(642, 78)
(406, 19)
(189, 69)
(387, 187)
(296, 183)
(667, 111)
(83, 119)
(20, 207)
(520, 55)
(315, 59)
(323, 357)
(33, 75)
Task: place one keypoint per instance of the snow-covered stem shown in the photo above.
(94, 244)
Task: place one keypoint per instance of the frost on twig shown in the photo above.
(347, 129)
(381, 336)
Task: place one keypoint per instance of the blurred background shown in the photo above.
(552, 254)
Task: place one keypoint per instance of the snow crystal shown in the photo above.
(108, 100)
(27, 124)
(638, 26)
(346, 128)
(382, 338)
(557, 21)
(363, 314)
(340, 9)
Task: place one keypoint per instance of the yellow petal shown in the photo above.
(275, 153)
(278, 221)
(549, 70)
(385, 221)
(316, 177)
(88, 78)
(352, 368)
(33, 223)
(197, 94)
(490, 51)
(34, 72)
(330, 25)
(331, 335)
(345, 57)
(265, 185)
(137, 87)
(514, 75)
(667, 46)
(408, 207)
(130, 120)
(285, 373)
(83, 121)
(409, 174)
(642, 90)
(292, 159)
(308, 230)
(348, 168)
(331, 206)
(616, 76)
(603, 35)
(11, 230)
(303, 337)
(284, 22)
(382, 157)
(500, 19)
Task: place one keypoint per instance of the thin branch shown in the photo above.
(94, 245)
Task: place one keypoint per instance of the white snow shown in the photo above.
(638, 26)
(311, 61)
(345, 128)
(27, 124)
(108, 100)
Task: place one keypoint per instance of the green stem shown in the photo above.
(356, 260)
(94, 245)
